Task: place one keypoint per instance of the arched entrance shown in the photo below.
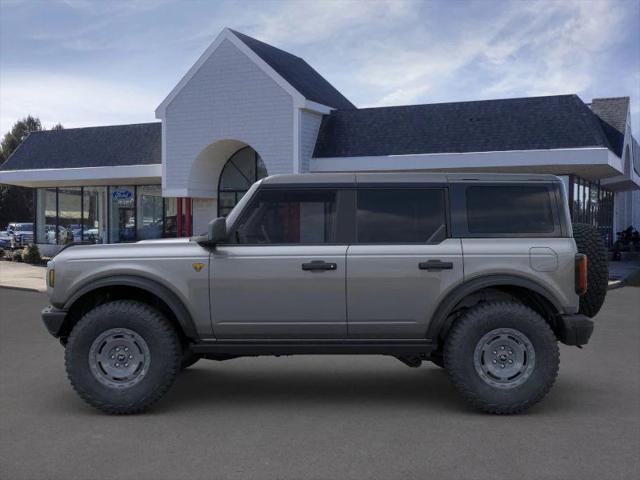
(241, 170)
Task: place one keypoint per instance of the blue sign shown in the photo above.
(122, 194)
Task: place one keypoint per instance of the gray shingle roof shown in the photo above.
(612, 110)
(532, 123)
(298, 73)
(613, 115)
(113, 145)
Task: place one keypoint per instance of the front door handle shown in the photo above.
(434, 265)
(319, 265)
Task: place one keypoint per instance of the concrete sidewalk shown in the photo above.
(620, 271)
(22, 276)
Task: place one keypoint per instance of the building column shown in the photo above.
(179, 217)
(187, 217)
(184, 228)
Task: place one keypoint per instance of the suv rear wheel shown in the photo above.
(122, 356)
(502, 357)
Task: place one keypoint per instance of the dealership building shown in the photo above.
(246, 110)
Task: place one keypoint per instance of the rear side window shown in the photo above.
(289, 217)
(509, 209)
(401, 215)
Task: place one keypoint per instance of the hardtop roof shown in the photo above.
(308, 179)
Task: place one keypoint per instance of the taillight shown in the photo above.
(581, 274)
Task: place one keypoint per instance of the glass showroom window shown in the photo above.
(122, 214)
(94, 214)
(244, 168)
(46, 215)
(69, 215)
(149, 212)
(170, 227)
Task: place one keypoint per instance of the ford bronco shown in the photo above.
(482, 275)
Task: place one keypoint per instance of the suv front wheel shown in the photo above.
(502, 356)
(122, 356)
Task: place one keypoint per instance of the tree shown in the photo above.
(17, 134)
(16, 203)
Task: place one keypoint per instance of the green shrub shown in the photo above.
(31, 254)
(16, 256)
(1, 252)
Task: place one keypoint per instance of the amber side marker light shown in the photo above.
(52, 277)
(581, 274)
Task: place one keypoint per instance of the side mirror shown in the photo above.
(217, 230)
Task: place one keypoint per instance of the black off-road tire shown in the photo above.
(437, 358)
(470, 331)
(590, 242)
(189, 358)
(161, 343)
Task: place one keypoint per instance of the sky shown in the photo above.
(86, 63)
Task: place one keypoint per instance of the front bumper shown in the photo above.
(575, 329)
(53, 319)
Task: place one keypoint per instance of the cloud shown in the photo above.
(533, 48)
(129, 54)
(72, 100)
(299, 22)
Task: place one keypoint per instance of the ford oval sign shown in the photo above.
(122, 194)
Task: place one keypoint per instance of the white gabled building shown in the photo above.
(247, 109)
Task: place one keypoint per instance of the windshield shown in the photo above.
(23, 227)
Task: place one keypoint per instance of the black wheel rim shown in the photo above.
(119, 358)
(504, 358)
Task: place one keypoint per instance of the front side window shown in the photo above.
(289, 217)
(509, 210)
(401, 215)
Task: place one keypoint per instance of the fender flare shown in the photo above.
(174, 303)
(439, 322)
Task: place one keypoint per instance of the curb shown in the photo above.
(23, 289)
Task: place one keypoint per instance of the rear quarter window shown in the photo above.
(513, 209)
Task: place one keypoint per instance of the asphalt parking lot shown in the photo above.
(320, 417)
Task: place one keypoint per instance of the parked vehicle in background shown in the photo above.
(91, 235)
(20, 234)
(628, 241)
(480, 274)
(5, 239)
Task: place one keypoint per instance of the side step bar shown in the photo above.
(314, 347)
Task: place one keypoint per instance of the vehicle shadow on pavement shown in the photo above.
(202, 387)
(424, 388)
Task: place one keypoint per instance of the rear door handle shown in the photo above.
(434, 265)
(319, 265)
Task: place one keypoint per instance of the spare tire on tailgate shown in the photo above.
(589, 242)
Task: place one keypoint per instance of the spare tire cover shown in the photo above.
(589, 242)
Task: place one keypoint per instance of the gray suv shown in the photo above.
(479, 274)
